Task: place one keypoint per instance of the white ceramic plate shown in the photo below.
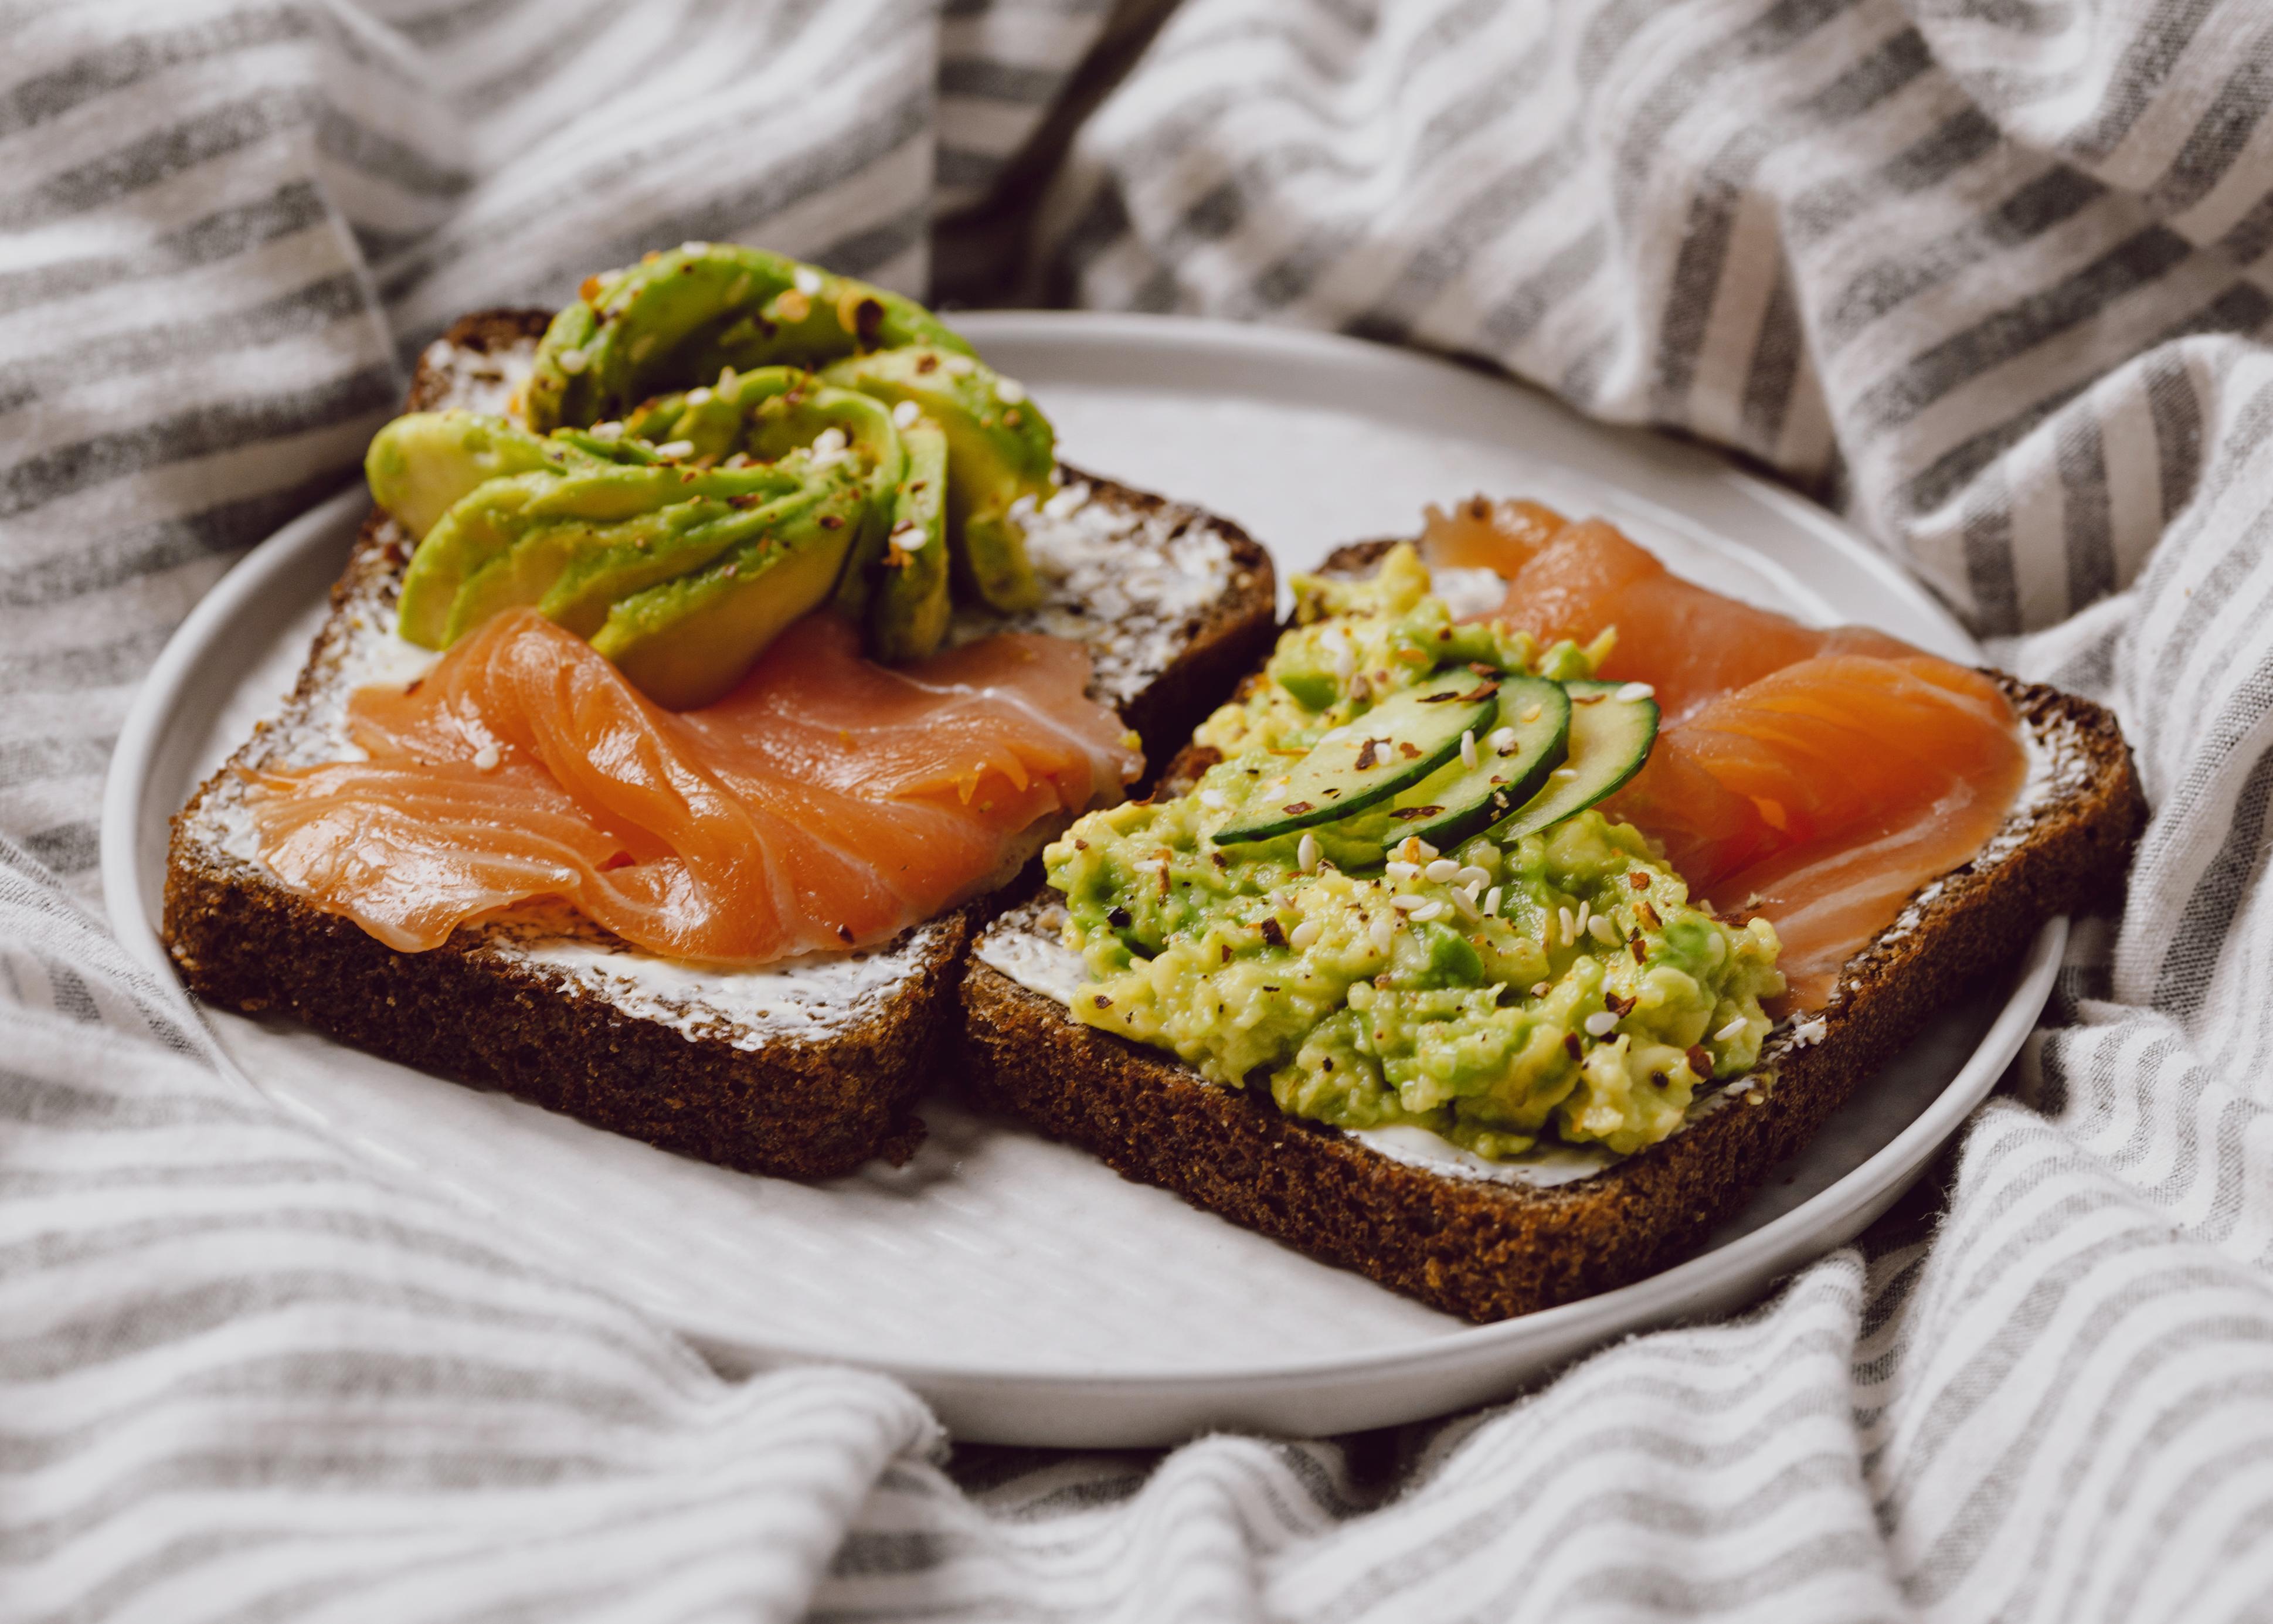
(1031, 1295)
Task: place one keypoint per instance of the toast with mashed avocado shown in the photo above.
(806, 1067)
(1374, 974)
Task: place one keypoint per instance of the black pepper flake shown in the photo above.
(845, 931)
(831, 521)
(1405, 815)
(1657, 1078)
(927, 364)
(1272, 934)
(1571, 1045)
(1102, 1002)
(1117, 917)
(1271, 989)
(867, 320)
(1219, 860)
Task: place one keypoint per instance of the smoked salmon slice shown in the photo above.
(826, 803)
(1815, 777)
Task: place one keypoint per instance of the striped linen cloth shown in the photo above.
(1989, 274)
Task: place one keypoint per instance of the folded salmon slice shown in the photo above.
(1817, 778)
(826, 803)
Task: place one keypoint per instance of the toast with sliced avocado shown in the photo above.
(1473, 1040)
(803, 1068)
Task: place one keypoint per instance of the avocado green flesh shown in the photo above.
(1391, 748)
(1610, 738)
(676, 318)
(999, 450)
(689, 641)
(422, 464)
(1514, 756)
(1511, 993)
(909, 606)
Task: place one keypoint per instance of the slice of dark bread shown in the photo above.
(1489, 1250)
(804, 1070)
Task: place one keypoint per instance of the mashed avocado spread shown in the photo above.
(1555, 986)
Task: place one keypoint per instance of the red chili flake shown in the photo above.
(1571, 1045)
(1636, 879)
(1405, 815)
(1219, 860)
(1700, 1060)
(1617, 1007)
(927, 364)
(831, 521)
(1483, 670)
(1649, 916)
(1272, 934)
(1408, 751)
(1297, 806)
(1483, 690)
(1365, 756)
(1227, 954)
(1634, 945)
(1011, 418)
(1081, 845)
(1102, 1002)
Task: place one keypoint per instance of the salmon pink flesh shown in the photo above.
(1816, 777)
(826, 803)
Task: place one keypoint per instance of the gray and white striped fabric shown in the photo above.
(1989, 274)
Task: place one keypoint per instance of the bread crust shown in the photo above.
(797, 1106)
(1488, 1251)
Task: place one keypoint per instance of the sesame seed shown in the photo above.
(1465, 904)
(1304, 935)
(1731, 1033)
(1532, 713)
(1473, 876)
(1307, 853)
(1502, 740)
(905, 415)
(1604, 931)
(1633, 691)
(698, 397)
(1410, 904)
(1491, 901)
(1401, 871)
(1010, 390)
(1211, 799)
(1584, 908)
(1468, 747)
(1421, 850)
(1380, 931)
(1539, 989)
(487, 758)
(807, 280)
(1564, 772)
(1600, 1024)
(1570, 927)
(1442, 870)
(1425, 912)
(829, 442)
(675, 448)
(573, 361)
(1755, 1098)
(607, 431)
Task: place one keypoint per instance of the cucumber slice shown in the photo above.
(1514, 755)
(1392, 747)
(1610, 738)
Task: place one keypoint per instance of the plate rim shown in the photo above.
(1764, 1255)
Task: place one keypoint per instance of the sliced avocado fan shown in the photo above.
(718, 440)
